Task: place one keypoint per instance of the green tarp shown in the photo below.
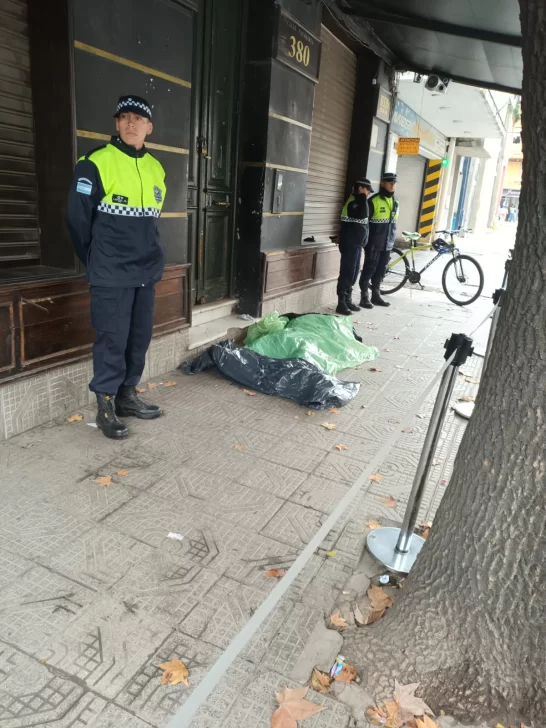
(326, 341)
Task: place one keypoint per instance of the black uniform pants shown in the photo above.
(123, 321)
(375, 265)
(348, 268)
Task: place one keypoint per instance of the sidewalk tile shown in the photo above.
(33, 695)
(38, 606)
(105, 646)
(98, 558)
(145, 696)
(224, 612)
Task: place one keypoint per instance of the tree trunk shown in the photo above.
(470, 624)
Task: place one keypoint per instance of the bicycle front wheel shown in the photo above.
(396, 274)
(462, 280)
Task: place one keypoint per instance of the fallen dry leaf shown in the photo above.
(375, 369)
(331, 554)
(276, 573)
(152, 385)
(320, 681)
(249, 392)
(122, 473)
(389, 502)
(436, 462)
(407, 430)
(175, 672)
(392, 708)
(472, 380)
(407, 700)
(426, 723)
(347, 674)
(141, 390)
(239, 447)
(466, 398)
(373, 524)
(424, 529)
(337, 620)
(342, 447)
(310, 414)
(297, 417)
(377, 477)
(377, 716)
(293, 707)
(328, 426)
(170, 384)
(421, 417)
(104, 480)
(334, 411)
(75, 418)
(360, 619)
(398, 366)
(379, 599)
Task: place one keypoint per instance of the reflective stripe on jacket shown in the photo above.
(354, 221)
(115, 200)
(383, 217)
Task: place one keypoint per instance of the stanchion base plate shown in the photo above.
(464, 409)
(381, 543)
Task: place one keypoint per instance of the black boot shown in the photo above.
(365, 298)
(128, 404)
(377, 300)
(342, 307)
(349, 301)
(107, 420)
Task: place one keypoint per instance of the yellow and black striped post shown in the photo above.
(430, 196)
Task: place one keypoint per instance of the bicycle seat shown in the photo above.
(411, 236)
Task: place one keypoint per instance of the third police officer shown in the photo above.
(353, 238)
(383, 216)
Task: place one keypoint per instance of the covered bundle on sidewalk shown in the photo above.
(329, 342)
(292, 356)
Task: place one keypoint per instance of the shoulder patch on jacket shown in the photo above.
(84, 186)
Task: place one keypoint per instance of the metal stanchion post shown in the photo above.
(397, 548)
(465, 409)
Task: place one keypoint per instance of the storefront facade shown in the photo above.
(254, 168)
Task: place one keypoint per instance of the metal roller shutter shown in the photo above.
(411, 176)
(332, 118)
(19, 234)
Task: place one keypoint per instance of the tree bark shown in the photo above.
(470, 624)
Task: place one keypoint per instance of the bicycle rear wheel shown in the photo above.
(462, 280)
(397, 272)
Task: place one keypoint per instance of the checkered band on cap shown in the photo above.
(127, 211)
(128, 103)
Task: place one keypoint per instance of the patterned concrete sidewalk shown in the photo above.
(94, 595)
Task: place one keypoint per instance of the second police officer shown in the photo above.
(353, 238)
(383, 207)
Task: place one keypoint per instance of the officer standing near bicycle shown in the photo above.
(113, 206)
(383, 207)
(353, 238)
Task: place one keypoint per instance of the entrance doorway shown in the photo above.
(212, 175)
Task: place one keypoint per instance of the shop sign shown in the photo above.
(406, 123)
(383, 105)
(297, 47)
(408, 145)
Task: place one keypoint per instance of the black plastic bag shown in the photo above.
(295, 379)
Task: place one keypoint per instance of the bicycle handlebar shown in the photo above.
(453, 232)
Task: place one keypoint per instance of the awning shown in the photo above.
(470, 41)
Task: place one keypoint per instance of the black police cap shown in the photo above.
(134, 105)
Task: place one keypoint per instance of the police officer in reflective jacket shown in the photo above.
(113, 206)
(353, 237)
(383, 216)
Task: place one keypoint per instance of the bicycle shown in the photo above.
(462, 279)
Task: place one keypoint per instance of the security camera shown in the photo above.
(437, 84)
(417, 77)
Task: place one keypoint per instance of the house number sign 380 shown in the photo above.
(298, 47)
